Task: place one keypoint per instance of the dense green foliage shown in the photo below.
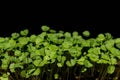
(59, 55)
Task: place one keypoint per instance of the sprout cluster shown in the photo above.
(51, 51)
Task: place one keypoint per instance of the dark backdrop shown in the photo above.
(95, 20)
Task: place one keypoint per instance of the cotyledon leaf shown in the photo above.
(37, 72)
(110, 69)
(45, 28)
(56, 76)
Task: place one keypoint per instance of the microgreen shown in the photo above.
(58, 54)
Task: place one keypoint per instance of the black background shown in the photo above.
(96, 20)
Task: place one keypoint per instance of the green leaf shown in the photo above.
(36, 72)
(19, 65)
(67, 34)
(110, 69)
(9, 45)
(14, 59)
(59, 65)
(53, 55)
(86, 33)
(42, 35)
(52, 31)
(53, 47)
(103, 61)
(101, 37)
(73, 51)
(60, 34)
(27, 75)
(2, 39)
(45, 28)
(32, 38)
(108, 36)
(86, 43)
(66, 44)
(52, 60)
(103, 47)
(18, 53)
(73, 62)
(87, 64)
(42, 51)
(115, 52)
(75, 34)
(43, 63)
(61, 31)
(12, 67)
(68, 64)
(46, 58)
(36, 62)
(81, 60)
(113, 61)
(23, 73)
(37, 53)
(56, 76)
(95, 50)
(93, 57)
(93, 42)
(63, 59)
(46, 44)
(24, 32)
(23, 40)
(39, 40)
(15, 35)
(109, 44)
(30, 71)
(4, 66)
(2, 78)
(5, 76)
(83, 70)
(5, 62)
(52, 37)
(105, 56)
(12, 42)
(117, 40)
(27, 60)
(118, 45)
(22, 57)
(59, 58)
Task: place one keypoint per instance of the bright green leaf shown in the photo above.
(103, 61)
(105, 56)
(83, 70)
(87, 64)
(23, 73)
(59, 65)
(18, 53)
(24, 32)
(86, 33)
(93, 57)
(12, 67)
(36, 62)
(30, 71)
(15, 35)
(110, 69)
(45, 28)
(101, 37)
(68, 64)
(36, 72)
(73, 62)
(81, 60)
(56, 76)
